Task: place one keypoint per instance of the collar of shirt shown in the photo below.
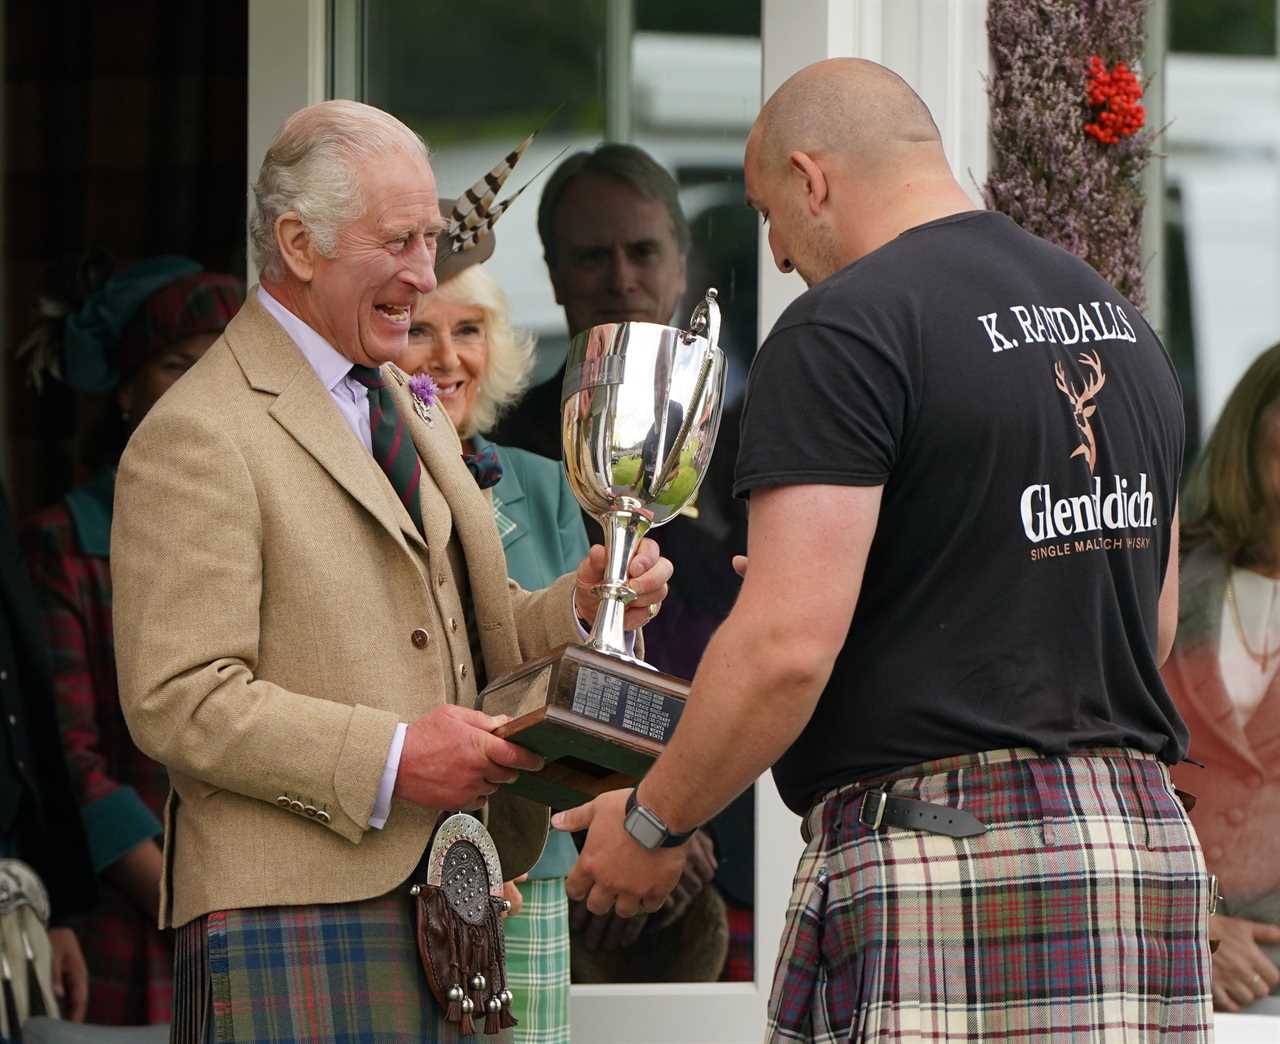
(331, 366)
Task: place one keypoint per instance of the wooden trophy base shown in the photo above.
(599, 722)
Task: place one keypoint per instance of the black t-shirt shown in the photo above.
(1027, 428)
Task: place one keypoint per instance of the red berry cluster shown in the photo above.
(1116, 96)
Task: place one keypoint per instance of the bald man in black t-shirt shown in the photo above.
(962, 451)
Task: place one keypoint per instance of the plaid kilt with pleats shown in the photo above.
(538, 963)
(345, 972)
(1080, 915)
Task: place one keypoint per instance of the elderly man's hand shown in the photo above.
(451, 759)
(648, 576)
(613, 871)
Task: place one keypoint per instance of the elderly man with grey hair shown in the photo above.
(309, 591)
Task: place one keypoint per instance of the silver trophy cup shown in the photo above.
(639, 416)
(641, 407)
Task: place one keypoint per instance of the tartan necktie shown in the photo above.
(393, 449)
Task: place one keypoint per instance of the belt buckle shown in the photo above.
(879, 816)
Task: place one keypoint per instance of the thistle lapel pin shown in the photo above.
(425, 394)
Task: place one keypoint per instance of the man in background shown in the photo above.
(616, 244)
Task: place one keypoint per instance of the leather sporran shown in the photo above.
(26, 975)
(460, 907)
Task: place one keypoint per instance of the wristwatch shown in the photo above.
(645, 825)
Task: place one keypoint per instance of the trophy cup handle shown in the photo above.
(704, 322)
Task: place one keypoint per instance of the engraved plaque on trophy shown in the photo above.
(639, 415)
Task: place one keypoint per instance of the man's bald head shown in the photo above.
(843, 158)
(848, 108)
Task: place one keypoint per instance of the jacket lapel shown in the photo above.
(272, 363)
(438, 448)
(469, 511)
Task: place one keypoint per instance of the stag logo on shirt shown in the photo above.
(1082, 407)
(1048, 515)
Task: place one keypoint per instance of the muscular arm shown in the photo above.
(764, 669)
(1168, 610)
(755, 689)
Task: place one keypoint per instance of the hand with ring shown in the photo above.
(647, 576)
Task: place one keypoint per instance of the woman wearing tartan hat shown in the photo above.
(132, 337)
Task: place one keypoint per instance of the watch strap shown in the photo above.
(669, 839)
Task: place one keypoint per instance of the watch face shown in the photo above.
(641, 825)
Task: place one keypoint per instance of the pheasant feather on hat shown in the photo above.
(467, 238)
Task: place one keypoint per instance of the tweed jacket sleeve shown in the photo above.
(187, 562)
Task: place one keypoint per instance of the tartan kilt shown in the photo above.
(1081, 914)
(325, 973)
(538, 963)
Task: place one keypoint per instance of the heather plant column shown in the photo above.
(1067, 128)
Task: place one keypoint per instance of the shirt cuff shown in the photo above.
(584, 634)
(382, 804)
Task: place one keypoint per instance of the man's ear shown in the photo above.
(806, 168)
(296, 246)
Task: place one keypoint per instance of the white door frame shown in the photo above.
(939, 46)
(288, 62)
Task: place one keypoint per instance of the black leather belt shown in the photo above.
(881, 809)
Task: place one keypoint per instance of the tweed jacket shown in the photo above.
(1237, 812)
(277, 613)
